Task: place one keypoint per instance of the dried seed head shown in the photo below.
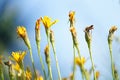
(88, 35)
(111, 33)
(112, 29)
(87, 29)
(8, 63)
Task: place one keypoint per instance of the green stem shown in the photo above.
(57, 65)
(11, 74)
(93, 68)
(23, 72)
(32, 62)
(78, 50)
(1, 73)
(112, 62)
(49, 64)
(40, 57)
(74, 65)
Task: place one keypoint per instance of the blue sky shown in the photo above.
(101, 13)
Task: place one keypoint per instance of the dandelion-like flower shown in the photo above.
(47, 22)
(18, 56)
(79, 61)
(21, 31)
(18, 69)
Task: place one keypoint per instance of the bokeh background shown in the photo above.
(101, 13)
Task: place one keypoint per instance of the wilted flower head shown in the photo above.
(8, 63)
(88, 35)
(18, 56)
(47, 22)
(80, 61)
(72, 16)
(37, 25)
(112, 29)
(111, 33)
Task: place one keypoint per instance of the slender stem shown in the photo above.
(93, 68)
(32, 62)
(41, 61)
(82, 70)
(23, 72)
(1, 73)
(11, 75)
(57, 65)
(49, 64)
(78, 50)
(74, 65)
(112, 62)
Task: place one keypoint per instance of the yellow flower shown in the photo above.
(79, 61)
(97, 74)
(18, 56)
(40, 78)
(17, 68)
(21, 31)
(47, 22)
(28, 74)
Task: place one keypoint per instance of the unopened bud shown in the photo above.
(46, 51)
